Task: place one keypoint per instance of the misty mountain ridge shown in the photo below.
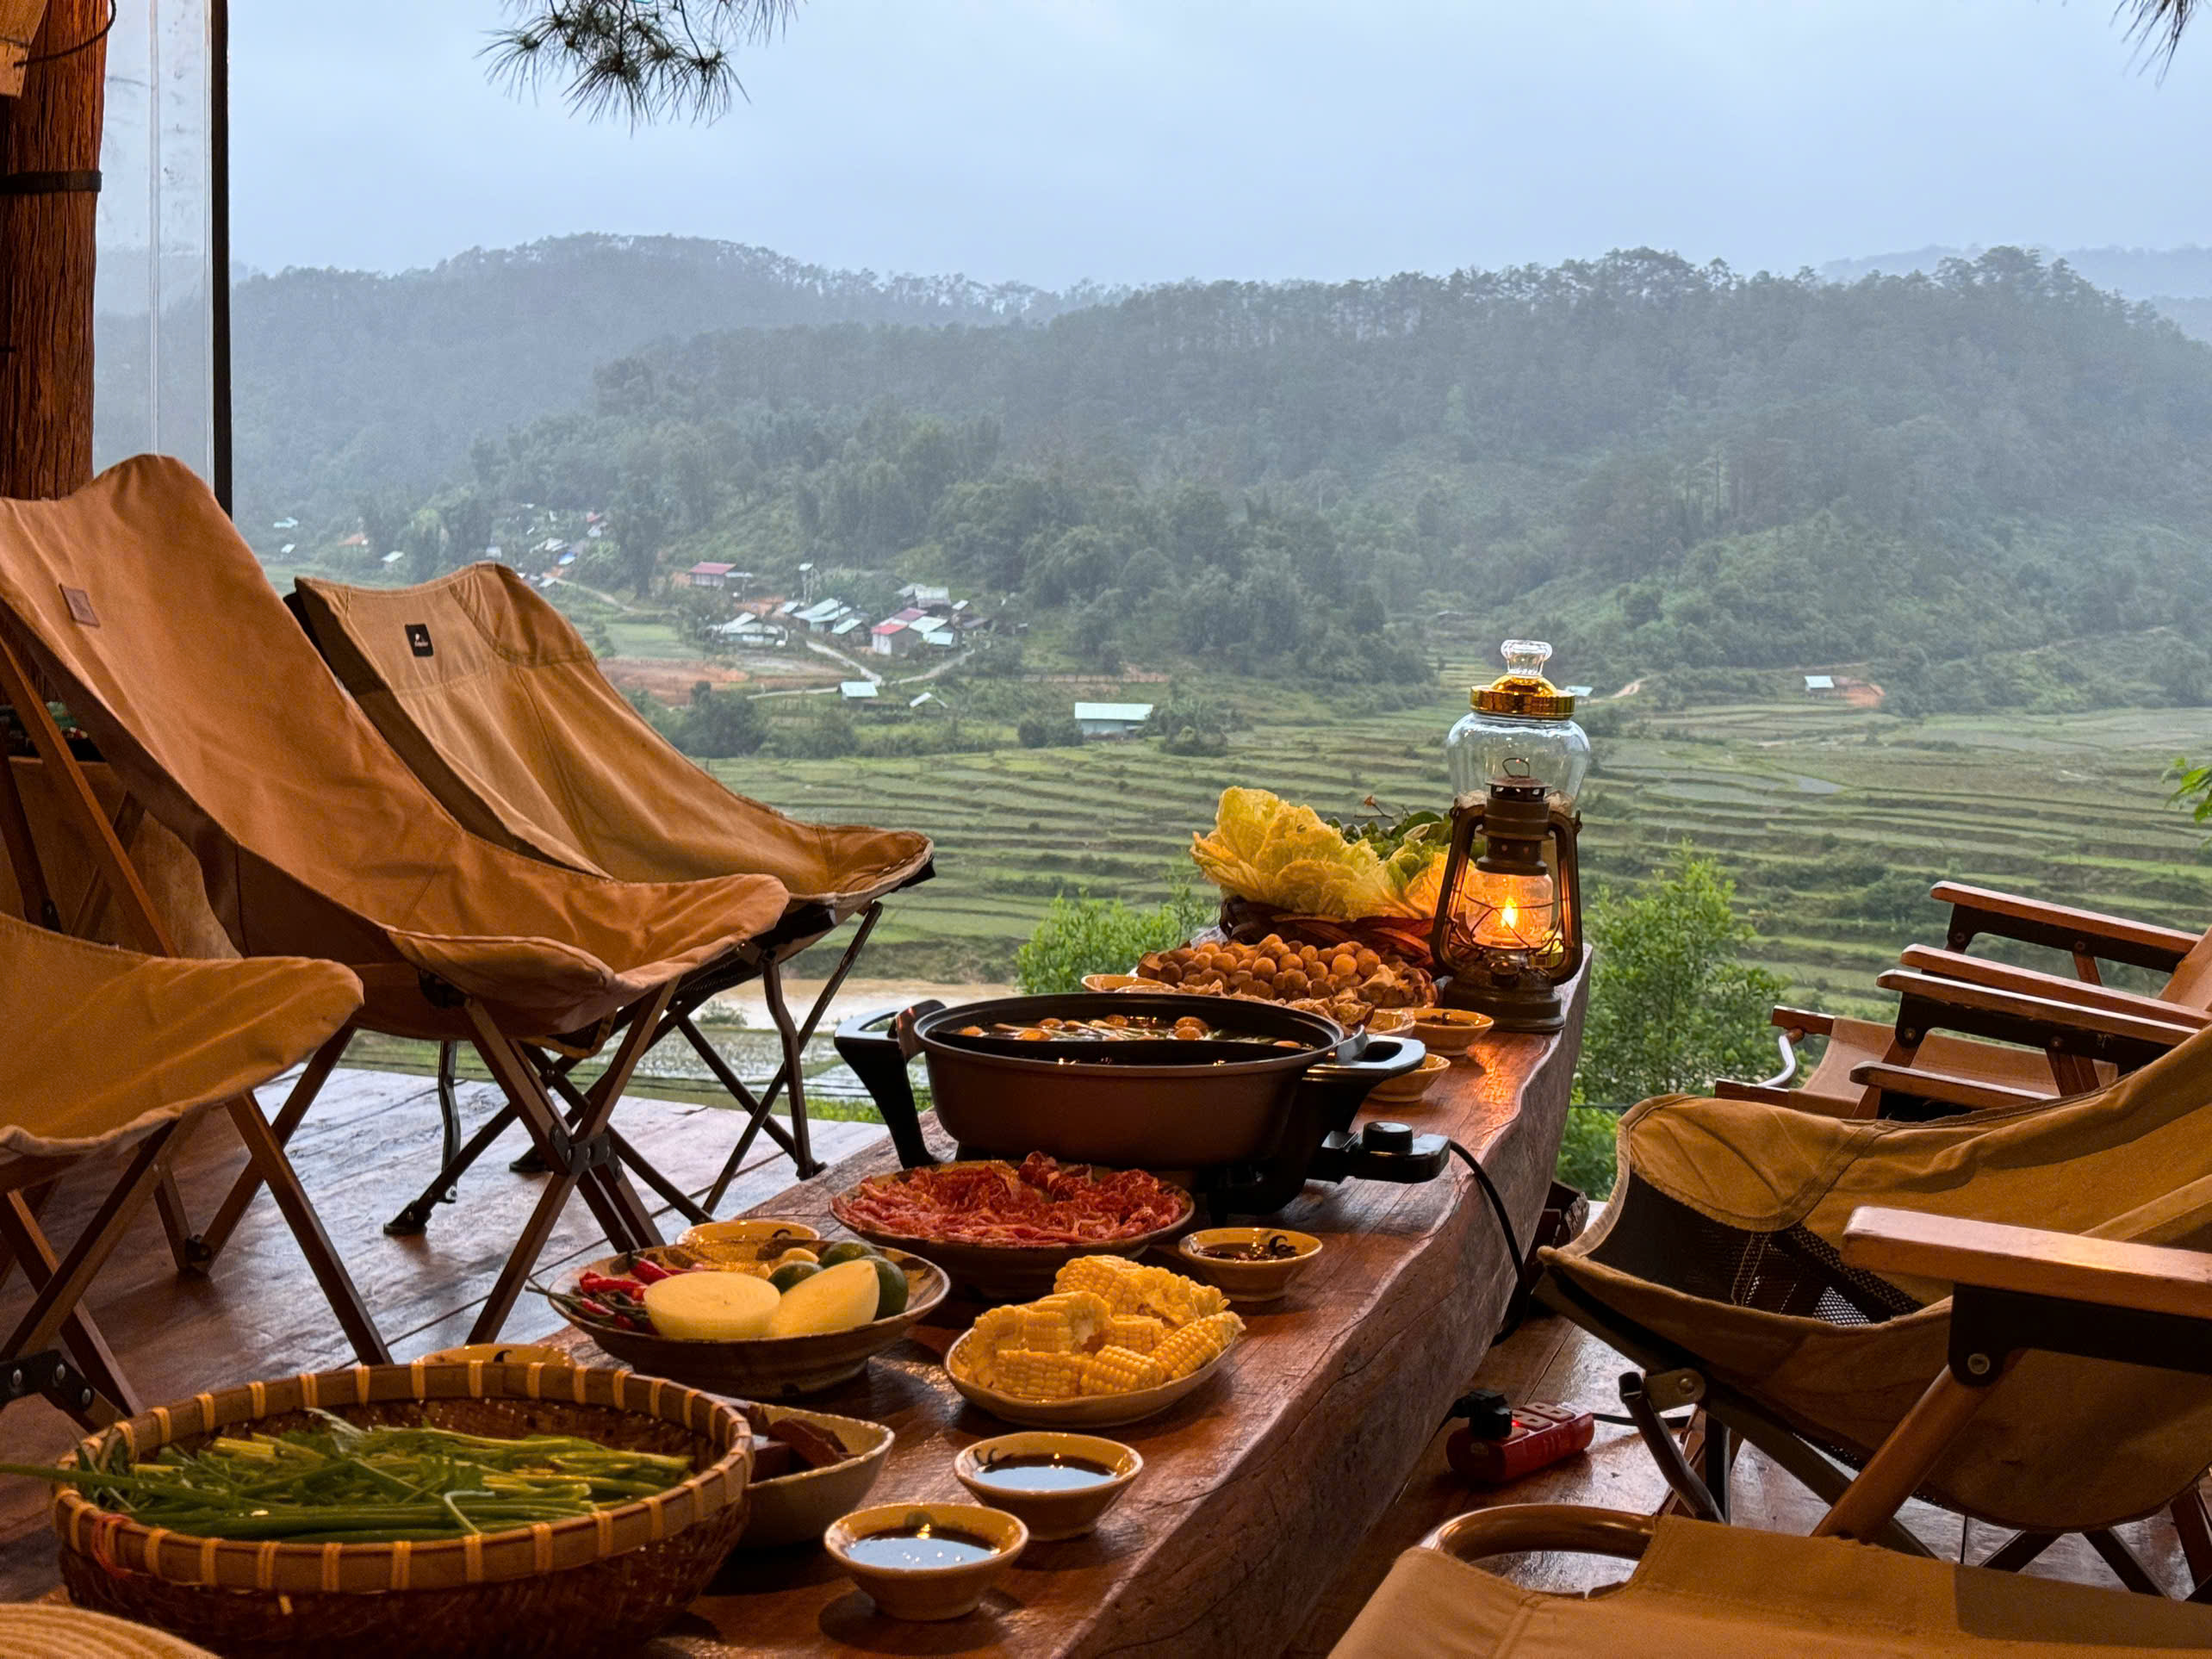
(349, 380)
(2178, 281)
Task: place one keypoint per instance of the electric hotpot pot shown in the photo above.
(1247, 1123)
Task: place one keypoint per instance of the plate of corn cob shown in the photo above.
(1116, 1342)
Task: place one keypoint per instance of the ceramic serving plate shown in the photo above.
(1094, 1411)
(765, 1368)
(1007, 1272)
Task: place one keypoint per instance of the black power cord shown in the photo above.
(1517, 1303)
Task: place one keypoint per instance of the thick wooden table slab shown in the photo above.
(1257, 1487)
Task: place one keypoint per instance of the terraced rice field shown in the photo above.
(1832, 820)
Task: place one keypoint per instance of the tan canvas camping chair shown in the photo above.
(1723, 1267)
(2022, 1035)
(137, 603)
(496, 703)
(106, 1057)
(1702, 1589)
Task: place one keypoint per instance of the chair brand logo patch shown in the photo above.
(418, 639)
(80, 606)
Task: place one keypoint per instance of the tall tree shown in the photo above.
(49, 155)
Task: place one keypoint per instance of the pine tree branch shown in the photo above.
(643, 60)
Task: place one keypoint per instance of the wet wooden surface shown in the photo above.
(1255, 1488)
(368, 1146)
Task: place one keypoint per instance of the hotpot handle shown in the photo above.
(878, 1057)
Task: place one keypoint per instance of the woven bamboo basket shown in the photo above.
(590, 1585)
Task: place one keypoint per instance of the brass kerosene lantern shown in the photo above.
(1508, 929)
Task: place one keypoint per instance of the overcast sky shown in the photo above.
(1137, 140)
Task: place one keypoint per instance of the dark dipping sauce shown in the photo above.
(1043, 1472)
(913, 1547)
(1275, 1250)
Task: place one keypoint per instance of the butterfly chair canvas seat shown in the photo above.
(1702, 1589)
(144, 611)
(104, 1053)
(497, 703)
(1721, 1251)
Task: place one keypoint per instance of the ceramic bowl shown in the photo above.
(928, 1591)
(1408, 1090)
(1110, 981)
(1247, 1282)
(1091, 1411)
(741, 1240)
(794, 1509)
(764, 1368)
(1449, 1030)
(1048, 1514)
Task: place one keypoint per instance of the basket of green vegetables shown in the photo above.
(495, 1511)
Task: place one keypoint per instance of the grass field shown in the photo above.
(1832, 820)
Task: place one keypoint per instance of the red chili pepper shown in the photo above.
(623, 1322)
(596, 1309)
(651, 1271)
(599, 1284)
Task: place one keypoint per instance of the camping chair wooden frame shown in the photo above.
(581, 1155)
(1997, 1004)
(1725, 1418)
(97, 1394)
(761, 960)
(117, 880)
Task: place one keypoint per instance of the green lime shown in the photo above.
(845, 1250)
(891, 1287)
(792, 1273)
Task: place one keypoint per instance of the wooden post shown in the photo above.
(49, 158)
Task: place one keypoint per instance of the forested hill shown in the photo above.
(348, 381)
(1661, 466)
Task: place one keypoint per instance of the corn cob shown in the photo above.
(1031, 1375)
(1198, 1343)
(1117, 1370)
(1086, 1313)
(1106, 1276)
(1138, 1332)
(1047, 1331)
(1177, 1299)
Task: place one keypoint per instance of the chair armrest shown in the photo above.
(2033, 982)
(2013, 1016)
(1945, 1088)
(2084, 933)
(2147, 1278)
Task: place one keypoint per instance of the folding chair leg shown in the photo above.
(316, 1072)
(682, 1201)
(267, 1153)
(794, 1071)
(580, 1155)
(448, 1111)
(1902, 1461)
(26, 1244)
(2193, 1521)
(39, 908)
(2016, 1551)
(67, 1281)
(2120, 1559)
(414, 1217)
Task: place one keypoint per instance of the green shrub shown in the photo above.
(1104, 936)
(1586, 1152)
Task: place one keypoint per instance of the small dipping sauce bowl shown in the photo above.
(1059, 1485)
(1261, 1276)
(925, 1561)
(1449, 1031)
